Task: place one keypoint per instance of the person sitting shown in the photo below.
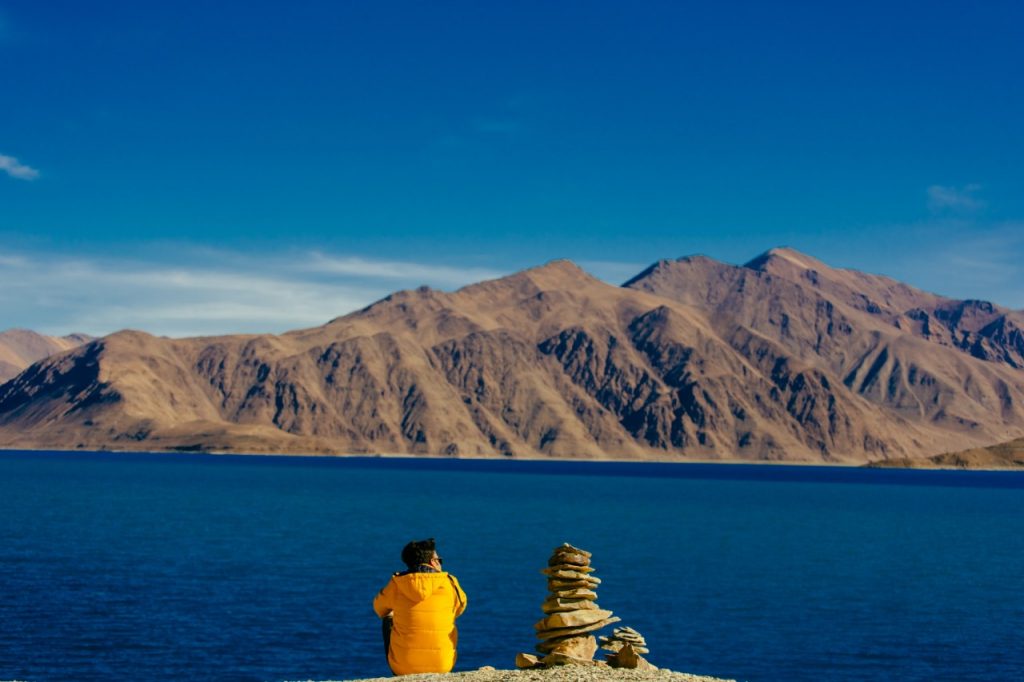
(421, 605)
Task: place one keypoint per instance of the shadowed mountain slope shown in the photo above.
(979, 328)
(864, 332)
(693, 359)
(19, 348)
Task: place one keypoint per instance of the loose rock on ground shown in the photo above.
(569, 673)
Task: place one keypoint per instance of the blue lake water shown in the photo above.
(171, 567)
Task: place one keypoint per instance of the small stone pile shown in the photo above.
(622, 636)
(626, 645)
(571, 612)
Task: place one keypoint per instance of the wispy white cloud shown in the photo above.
(16, 169)
(957, 252)
(201, 292)
(942, 198)
(383, 269)
(990, 256)
(959, 258)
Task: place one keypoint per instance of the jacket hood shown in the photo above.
(418, 586)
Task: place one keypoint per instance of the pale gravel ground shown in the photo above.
(560, 674)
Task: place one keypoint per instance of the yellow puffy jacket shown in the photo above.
(424, 606)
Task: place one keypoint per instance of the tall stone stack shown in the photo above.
(571, 612)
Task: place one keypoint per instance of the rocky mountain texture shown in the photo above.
(904, 357)
(19, 348)
(781, 359)
(1002, 456)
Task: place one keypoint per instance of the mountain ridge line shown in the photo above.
(782, 359)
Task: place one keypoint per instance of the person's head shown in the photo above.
(421, 552)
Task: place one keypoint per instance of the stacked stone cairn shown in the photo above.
(626, 645)
(570, 611)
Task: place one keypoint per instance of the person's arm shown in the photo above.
(384, 602)
(460, 596)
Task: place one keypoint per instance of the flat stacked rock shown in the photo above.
(622, 636)
(626, 645)
(571, 611)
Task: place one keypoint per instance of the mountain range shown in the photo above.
(780, 359)
(19, 348)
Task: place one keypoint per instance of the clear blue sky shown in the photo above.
(226, 166)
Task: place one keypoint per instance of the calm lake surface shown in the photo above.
(174, 567)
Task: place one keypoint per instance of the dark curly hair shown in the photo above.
(418, 552)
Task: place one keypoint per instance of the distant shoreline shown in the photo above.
(567, 673)
(522, 459)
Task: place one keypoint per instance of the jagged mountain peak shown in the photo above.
(670, 267)
(561, 265)
(872, 293)
(785, 256)
(786, 261)
(22, 333)
(696, 259)
(654, 267)
(554, 274)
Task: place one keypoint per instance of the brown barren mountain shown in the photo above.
(1001, 456)
(783, 359)
(19, 348)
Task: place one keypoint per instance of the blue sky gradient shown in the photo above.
(439, 142)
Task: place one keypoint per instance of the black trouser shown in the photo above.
(386, 624)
